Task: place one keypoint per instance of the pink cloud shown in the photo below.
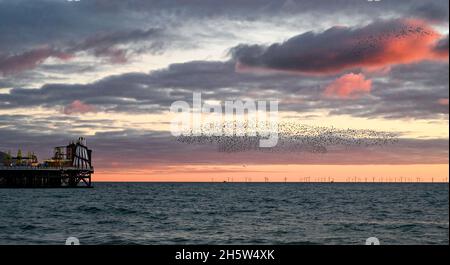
(379, 45)
(78, 106)
(443, 101)
(348, 86)
(16, 63)
(100, 45)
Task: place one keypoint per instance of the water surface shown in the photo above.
(227, 213)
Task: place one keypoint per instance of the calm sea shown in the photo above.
(227, 213)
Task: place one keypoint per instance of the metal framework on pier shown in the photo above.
(70, 166)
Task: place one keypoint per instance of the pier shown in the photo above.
(70, 167)
(44, 177)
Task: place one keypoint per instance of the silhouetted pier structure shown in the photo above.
(70, 166)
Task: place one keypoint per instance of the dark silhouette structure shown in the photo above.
(70, 166)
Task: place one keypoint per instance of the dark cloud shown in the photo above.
(45, 22)
(52, 22)
(398, 104)
(435, 12)
(68, 28)
(100, 45)
(342, 48)
(406, 91)
(260, 9)
(104, 44)
(70, 125)
(146, 92)
(100, 26)
(28, 60)
(442, 46)
(129, 148)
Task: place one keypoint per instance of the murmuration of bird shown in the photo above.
(292, 137)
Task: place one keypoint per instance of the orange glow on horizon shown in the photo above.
(280, 173)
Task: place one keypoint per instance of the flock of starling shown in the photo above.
(376, 42)
(292, 137)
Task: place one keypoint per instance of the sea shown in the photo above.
(228, 213)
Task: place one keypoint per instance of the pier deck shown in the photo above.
(45, 177)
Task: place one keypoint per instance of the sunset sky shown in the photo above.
(109, 71)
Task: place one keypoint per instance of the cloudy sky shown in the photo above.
(109, 71)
